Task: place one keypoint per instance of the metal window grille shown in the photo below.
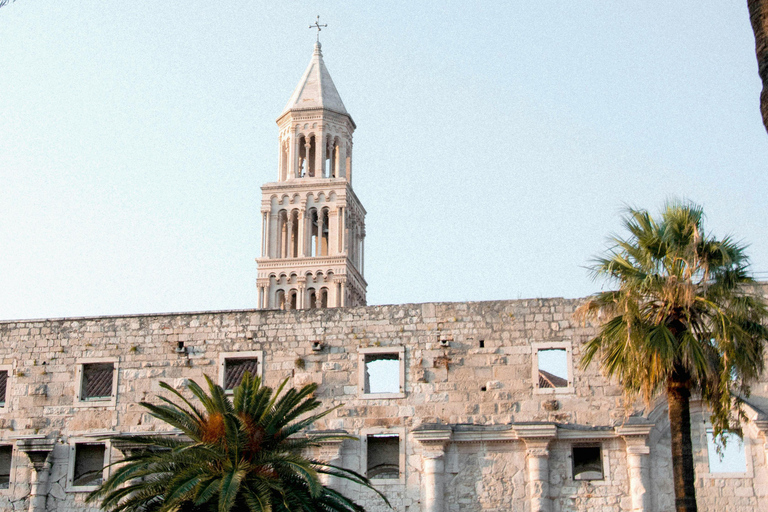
(97, 380)
(3, 386)
(234, 369)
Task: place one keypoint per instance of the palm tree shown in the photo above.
(685, 318)
(244, 454)
(758, 15)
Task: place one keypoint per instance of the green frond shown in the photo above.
(684, 303)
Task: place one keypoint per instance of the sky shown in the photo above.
(497, 143)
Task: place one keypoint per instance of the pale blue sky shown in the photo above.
(496, 143)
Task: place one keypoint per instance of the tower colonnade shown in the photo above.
(313, 224)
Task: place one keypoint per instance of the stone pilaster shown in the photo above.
(38, 449)
(537, 438)
(433, 440)
(638, 463)
(330, 453)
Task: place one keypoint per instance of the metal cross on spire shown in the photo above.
(318, 26)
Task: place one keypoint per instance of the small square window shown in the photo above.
(587, 463)
(382, 372)
(383, 457)
(733, 458)
(235, 369)
(97, 381)
(233, 365)
(552, 367)
(89, 464)
(6, 457)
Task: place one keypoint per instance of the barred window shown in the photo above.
(234, 370)
(97, 381)
(3, 386)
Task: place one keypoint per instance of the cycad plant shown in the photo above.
(685, 318)
(243, 454)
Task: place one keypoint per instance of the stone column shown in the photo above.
(333, 233)
(638, 463)
(433, 439)
(319, 152)
(537, 438)
(762, 426)
(302, 295)
(38, 449)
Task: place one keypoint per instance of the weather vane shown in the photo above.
(318, 26)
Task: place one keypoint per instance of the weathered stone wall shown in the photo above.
(483, 399)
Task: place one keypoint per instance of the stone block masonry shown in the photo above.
(468, 427)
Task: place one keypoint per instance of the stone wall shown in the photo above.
(476, 431)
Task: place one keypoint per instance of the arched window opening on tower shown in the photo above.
(301, 170)
(280, 299)
(312, 298)
(294, 240)
(294, 300)
(313, 226)
(282, 234)
(324, 233)
(311, 150)
(324, 297)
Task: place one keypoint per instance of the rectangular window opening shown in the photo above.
(732, 458)
(6, 455)
(97, 381)
(553, 368)
(3, 386)
(587, 463)
(89, 464)
(234, 370)
(383, 457)
(382, 373)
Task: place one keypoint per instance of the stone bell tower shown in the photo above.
(313, 225)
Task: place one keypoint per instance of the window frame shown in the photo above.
(551, 345)
(748, 471)
(361, 355)
(400, 433)
(246, 354)
(71, 463)
(5, 407)
(110, 401)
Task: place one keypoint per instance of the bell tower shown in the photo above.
(313, 225)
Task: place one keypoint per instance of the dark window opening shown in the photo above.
(587, 463)
(89, 464)
(97, 381)
(383, 457)
(6, 455)
(482, 343)
(234, 370)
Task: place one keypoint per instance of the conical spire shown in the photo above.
(316, 89)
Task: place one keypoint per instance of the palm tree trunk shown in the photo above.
(678, 399)
(758, 15)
